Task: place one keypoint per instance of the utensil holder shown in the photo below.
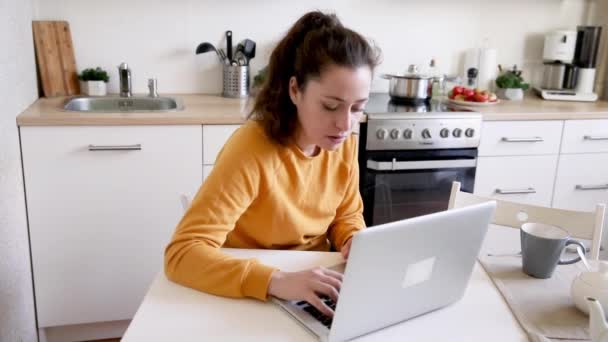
(236, 81)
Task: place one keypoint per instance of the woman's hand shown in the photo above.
(307, 285)
(345, 250)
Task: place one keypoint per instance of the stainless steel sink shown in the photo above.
(124, 104)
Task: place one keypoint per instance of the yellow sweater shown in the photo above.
(263, 195)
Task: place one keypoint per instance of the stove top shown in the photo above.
(381, 104)
(395, 125)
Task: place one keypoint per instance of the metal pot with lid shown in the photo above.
(411, 86)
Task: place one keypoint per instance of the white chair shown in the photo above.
(579, 224)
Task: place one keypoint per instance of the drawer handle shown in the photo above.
(595, 137)
(515, 191)
(135, 147)
(592, 187)
(533, 139)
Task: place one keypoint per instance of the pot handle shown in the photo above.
(385, 76)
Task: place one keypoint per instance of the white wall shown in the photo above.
(157, 38)
(17, 91)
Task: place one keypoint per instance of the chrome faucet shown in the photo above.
(125, 80)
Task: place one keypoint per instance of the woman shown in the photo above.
(288, 178)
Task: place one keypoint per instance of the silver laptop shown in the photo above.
(399, 270)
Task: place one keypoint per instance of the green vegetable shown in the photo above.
(511, 79)
(97, 74)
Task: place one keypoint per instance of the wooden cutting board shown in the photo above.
(55, 57)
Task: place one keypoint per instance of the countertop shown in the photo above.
(214, 110)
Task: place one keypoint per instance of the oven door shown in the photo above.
(399, 185)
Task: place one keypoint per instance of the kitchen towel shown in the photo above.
(543, 307)
(488, 69)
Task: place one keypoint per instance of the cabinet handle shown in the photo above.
(532, 139)
(595, 137)
(135, 147)
(515, 191)
(592, 187)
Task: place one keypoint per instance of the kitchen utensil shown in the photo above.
(240, 58)
(223, 56)
(55, 58)
(229, 45)
(236, 81)
(598, 328)
(592, 283)
(472, 77)
(542, 246)
(208, 47)
(411, 86)
(249, 48)
(553, 75)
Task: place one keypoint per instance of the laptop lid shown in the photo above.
(404, 269)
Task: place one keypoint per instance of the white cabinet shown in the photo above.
(500, 138)
(517, 160)
(102, 204)
(582, 136)
(582, 181)
(214, 138)
(525, 179)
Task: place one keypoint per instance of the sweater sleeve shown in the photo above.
(193, 258)
(349, 214)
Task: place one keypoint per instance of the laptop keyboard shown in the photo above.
(318, 315)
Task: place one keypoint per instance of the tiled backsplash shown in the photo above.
(157, 38)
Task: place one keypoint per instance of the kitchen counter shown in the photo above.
(214, 110)
(198, 109)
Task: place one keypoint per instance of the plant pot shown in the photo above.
(511, 94)
(93, 88)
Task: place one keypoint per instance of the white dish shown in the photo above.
(473, 104)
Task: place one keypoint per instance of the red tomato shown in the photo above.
(457, 90)
(479, 97)
(468, 92)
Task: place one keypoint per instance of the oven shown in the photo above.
(407, 163)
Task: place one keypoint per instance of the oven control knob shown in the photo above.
(444, 133)
(394, 134)
(407, 134)
(381, 134)
(457, 132)
(469, 132)
(426, 134)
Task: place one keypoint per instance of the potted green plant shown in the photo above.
(258, 81)
(93, 81)
(510, 85)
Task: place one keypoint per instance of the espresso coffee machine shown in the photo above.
(569, 64)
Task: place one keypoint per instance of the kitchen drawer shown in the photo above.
(214, 138)
(582, 181)
(514, 174)
(581, 136)
(501, 138)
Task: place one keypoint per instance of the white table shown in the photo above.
(171, 312)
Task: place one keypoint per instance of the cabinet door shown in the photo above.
(524, 179)
(582, 181)
(214, 138)
(102, 205)
(583, 136)
(513, 138)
